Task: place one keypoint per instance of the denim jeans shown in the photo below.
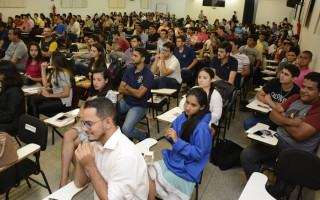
(257, 153)
(254, 119)
(133, 116)
(165, 82)
(81, 68)
(188, 77)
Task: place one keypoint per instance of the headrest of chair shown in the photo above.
(299, 167)
(33, 130)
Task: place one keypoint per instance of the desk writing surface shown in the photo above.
(170, 115)
(271, 61)
(269, 72)
(256, 188)
(60, 124)
(164, 91)
(271, 67)
(266, 140)
(259, 106)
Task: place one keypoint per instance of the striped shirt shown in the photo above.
(243, 60)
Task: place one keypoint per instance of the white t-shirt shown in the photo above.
(172, 63)
(75, 26)
(242, 59)
(215, 106)
(63, 79)
(122, 166)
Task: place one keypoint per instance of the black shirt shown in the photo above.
(274, 88)
(223, 71)
(153, 37)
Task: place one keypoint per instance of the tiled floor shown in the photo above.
(215, 185)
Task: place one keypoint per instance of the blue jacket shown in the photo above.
(187, 160)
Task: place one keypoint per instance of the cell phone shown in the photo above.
(258, 133)
(62, 118)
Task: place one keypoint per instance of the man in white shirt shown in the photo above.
(73, 29)
(169, 67)
(243, 60)
(163, 39)
(113, 163)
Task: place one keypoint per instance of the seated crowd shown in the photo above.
(186, 53)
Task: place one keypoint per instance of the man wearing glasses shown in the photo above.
(169, 68)
(113, 164)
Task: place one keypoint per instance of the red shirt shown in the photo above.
(123, 43)
(33, 70)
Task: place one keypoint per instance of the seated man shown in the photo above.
(243, 60)
(73, 29)
(139, 30)
(17, 51)
(305, 58)
(276, 91)
(135, 86)
(127, 56)
(299, 128)
(4, 40)
(60, 31)
(187, 59)
(169, 67)
(48, 45)
(117, 50)
(224, 66)
(113, 164)
(27, 25)
(153, 37)
(163, 39)
(291, 56)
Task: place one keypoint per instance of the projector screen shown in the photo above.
(214, 3)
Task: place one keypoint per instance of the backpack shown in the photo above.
(225, 89)
(114, 67)
(225, 154)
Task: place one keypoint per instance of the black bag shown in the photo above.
(225, 89)
(225, 154)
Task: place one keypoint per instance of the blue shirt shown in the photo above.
(185, 57)
(60, 29)
(188, 159)
(4, 37)
(239, 31)
(135, 80)
(223, 71)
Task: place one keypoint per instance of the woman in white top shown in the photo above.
(100, 87)
(56, 94)
(205, 80)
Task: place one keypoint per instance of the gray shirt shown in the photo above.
(252, 53)
(297, 108)
(63, 79)
(17, 50)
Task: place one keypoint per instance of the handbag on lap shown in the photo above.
(8, 152)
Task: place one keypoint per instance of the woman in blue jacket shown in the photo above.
(175, 176)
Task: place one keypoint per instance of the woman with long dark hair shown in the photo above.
(33, 64)
(100, 87)
(56, 96)
(205, 81)
(98, 58)
(175, 176)
(12, 103)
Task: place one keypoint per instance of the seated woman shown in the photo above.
(100, 87)
(58, 98)
(205, 81)
(175, 176)
(33, 64)
(12, 103)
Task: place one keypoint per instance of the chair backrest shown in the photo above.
(33, 130)
(299, 167)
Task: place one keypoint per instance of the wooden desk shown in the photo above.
(256, 188)
(171, 115)
(268, 78)
(268, 140)
(164, 91)
(54, 123)
(269, 72)
(272, 67)
(271, 62)
(259, 106)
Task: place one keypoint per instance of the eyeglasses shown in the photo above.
(88, 125)
(165, 50)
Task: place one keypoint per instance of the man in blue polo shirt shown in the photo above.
(224, 66)
(187, 59)
(135, 86)
(61, 30)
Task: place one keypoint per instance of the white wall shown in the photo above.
(273, 11)
(310, 41)
(193, 8)
(94, 6)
